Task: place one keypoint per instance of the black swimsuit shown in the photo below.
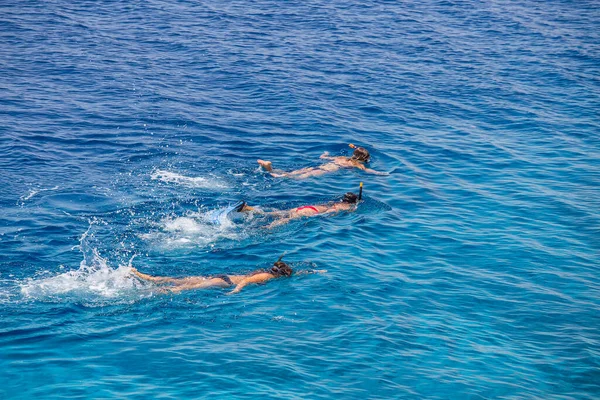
(226, 278)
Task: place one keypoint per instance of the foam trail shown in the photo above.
(194, 229)
(32, 193)
(193, 182)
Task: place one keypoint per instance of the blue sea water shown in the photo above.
(470, 271)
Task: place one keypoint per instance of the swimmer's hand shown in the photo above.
(372, 171)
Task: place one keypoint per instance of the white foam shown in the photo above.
(194, 182)
(94, 280)
(183, 224)
(193, 230)
(93, 283)
(33, 192)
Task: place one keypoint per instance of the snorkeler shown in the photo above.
(358, 160)
(278, 270)
(348, 203)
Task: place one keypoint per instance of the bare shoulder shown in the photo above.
(260, 277)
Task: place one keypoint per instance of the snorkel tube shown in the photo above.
(359, 194)
(280, 268)
(280, 257)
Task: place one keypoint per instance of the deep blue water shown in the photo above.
(470, 271)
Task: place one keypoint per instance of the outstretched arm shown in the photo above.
(371, 171)
(258, 278)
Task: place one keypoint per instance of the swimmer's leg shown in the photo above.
(157, 279)
(267, 165)
(278, 222)
(247, 208)
(282, 221)
(299, 173)
(166, 279)
(311, 173)
(204, 284)
(279, 174)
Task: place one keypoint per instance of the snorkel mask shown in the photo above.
(360, 153)
(352, 198)
(280, 268)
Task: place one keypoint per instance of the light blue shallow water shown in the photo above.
(471, 271)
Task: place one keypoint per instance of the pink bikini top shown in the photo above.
(305, 207)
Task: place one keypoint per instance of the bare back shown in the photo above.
(345, 162)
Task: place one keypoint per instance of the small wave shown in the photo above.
(188, 181)
(32, 193)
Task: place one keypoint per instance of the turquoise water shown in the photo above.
(470, 271)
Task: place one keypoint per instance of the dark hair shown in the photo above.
(361, 154)
(350, 198)
(280, 268)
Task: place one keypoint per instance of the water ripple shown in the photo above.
(471, 270)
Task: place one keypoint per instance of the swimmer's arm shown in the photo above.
(370, 171)
(258, 278)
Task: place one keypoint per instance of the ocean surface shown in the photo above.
(470, 271)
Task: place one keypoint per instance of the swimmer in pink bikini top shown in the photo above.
(348, 203)
(360, 157)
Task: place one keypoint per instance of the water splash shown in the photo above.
(188, 181)
(195, 229)
(95, 282)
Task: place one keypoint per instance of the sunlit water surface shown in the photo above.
(470, 271)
